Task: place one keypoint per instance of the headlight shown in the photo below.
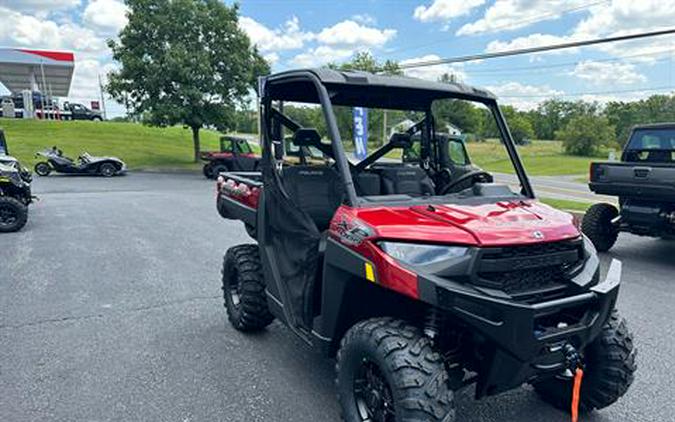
(417, 254)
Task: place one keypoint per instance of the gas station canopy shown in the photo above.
(50, 72)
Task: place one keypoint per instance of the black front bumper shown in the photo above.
(523, 341)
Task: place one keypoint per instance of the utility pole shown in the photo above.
(44, 89)
(100, 89)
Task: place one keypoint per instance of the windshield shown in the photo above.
(399, 145)
(403, 154)
(425, 154)
(651, 145)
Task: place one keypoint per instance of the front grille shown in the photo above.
(529, 273)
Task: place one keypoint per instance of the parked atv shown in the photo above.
(86, 164)
(644, 181)
(421, 277)
(15, 193)
(236, 154)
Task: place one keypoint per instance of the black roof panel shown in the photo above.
(357, 88)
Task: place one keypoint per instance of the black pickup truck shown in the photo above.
(644, 181)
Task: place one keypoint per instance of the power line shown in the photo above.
(531, 50)
(576, 62)
(512, 25)
(580, 94)
(537, 71)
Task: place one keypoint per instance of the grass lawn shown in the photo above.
(144, 147)
(563, 204)
(141, 147)
(540, 158)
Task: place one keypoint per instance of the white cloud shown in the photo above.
(444, 10)
(349, 32)
(85, 79)
(523, 97)
(532, 40)
(322, 55)
(627, 16)
(603, 73)
(39, 6)
(17, 29)
(617, 18)
(365, 19)
(272, 58)
(287, 37)
(515, 14)
(108, 16)
(433, 73)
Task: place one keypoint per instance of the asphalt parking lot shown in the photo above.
(110, 309)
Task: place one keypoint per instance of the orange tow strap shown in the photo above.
(576, 393)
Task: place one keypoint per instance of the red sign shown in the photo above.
(95, 105)
(54, 55)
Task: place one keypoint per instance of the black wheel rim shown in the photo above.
(42, 169)
(374, 401)
(8, 215)
(107, 171)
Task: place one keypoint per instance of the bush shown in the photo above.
(521, 128)
(585, 135)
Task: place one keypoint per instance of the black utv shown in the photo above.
(422, 276)
(15, 193)
(644, 182)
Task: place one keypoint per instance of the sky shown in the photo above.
(310, 33)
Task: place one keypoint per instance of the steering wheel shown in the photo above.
(463, 178)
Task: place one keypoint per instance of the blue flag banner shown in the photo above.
(360, 132)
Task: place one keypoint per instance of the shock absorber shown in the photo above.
(432, 323)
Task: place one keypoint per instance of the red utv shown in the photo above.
(422, 277)
(235, 154)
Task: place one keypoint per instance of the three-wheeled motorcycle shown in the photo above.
(85, 164)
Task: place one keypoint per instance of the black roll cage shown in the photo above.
(269, 113)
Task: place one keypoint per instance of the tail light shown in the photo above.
(219, 183)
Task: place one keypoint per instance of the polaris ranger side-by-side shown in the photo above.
(15, 192)
(422, 276)
(644, 181)
(236, 154)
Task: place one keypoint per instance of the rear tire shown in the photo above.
(207, 170)
(13, 214)
(597, 225)
(388, 370)
(42, 169)
(244, 289)
(217, 169)
(609, 371)
(107, 170)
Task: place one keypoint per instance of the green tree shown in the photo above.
(624, 115)
(518, 122)
(585, 134)
(184, 62)
(552, 115)
(461, 114)
(366, 62)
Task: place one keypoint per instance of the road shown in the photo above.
(110, 310)
(557, 187)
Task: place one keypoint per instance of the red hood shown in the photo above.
(496, 224)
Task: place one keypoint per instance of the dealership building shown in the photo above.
(32, 74)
